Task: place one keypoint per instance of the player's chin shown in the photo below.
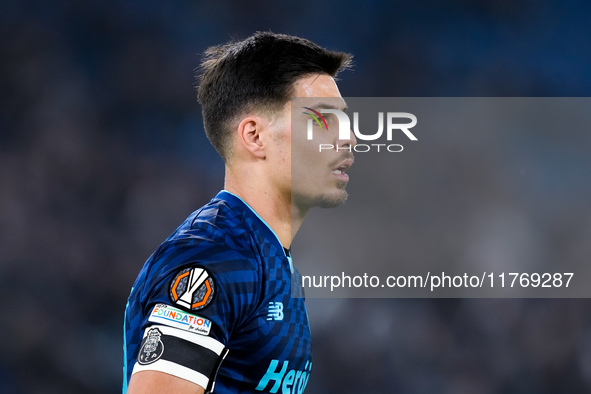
(331, 200)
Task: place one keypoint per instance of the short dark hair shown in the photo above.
(257, 73)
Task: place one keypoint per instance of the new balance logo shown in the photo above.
(275, 311)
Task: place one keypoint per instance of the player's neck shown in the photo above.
(269, 204)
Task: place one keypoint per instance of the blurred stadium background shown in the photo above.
(102, 154)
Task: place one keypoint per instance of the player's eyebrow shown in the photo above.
(330, 106)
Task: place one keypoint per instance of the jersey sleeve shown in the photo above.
(192, 305)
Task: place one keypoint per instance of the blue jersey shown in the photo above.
(213, 304)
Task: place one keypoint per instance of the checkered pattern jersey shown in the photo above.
(251, 273)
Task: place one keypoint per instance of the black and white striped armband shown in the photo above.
(180, 353)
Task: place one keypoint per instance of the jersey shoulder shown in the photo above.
(218, 232)
(226, 241)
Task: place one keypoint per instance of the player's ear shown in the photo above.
(250, 130)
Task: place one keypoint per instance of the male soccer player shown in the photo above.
(213, 303)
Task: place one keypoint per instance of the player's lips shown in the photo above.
(343, 166)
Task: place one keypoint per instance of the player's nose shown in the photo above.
(349, 142)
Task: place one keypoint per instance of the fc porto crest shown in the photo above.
(192, 288)
(152, 347)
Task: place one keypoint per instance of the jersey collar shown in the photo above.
(226, 195)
